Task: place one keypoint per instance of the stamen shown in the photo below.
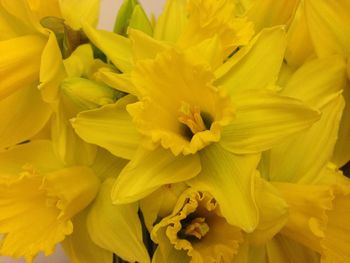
(197, 228)
(192, 118)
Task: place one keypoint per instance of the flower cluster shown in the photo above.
(218, 132)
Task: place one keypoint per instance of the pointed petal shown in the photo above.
(144, 46)
(273, 213)
(209, 51)
(171, 22)
(116, 228)
(299, 44)
(10, 26)
(107, 165)
(302, 158)
(149, 170)
(19, 62)
(109, 127)
(169, 254)
(256, 65)
(75, 12)
(342, 150)
(117, 81)
(116, 47)
(22, 115)
(51, 70)
(283, 249)
(264, 119)
(71, 149)
(316, 81)
(38, 153)
(270, 13)
(230, 179)
(328, 23)
(79, 246)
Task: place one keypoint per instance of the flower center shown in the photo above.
(194, 228)
(193, 119)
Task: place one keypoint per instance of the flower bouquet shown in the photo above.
(216, 132)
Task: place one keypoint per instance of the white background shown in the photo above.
(109, 10)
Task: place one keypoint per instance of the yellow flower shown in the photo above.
(196, 230)
(193, 120)
(38, 199)
(332, 36)
(209, 18)
(30, 55)
(318, 218)
(44, 203)
(300, 169)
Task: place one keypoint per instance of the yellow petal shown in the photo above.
(209, 51)
(22, 115)
(170, 256)
(299, 44)
(116, 47)
(117, 81)
(342, 152)
(282, 249)
(171, 22)
(273, 213)
(75, 12)
(148, 170)
(107, 165)
(256, 65)
(43, 8)
(80, 248)
(328, 24)
(67, 144)
(302, 158)
(268, 13)
(263, 120)
(51, 70)
(144, 46)
(116, 228)
(316, 81)
(23, 10)
(110, 127)
(38, 153)
(10, 26)
(230, 179)
(20, 62)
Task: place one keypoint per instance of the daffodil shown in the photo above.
(300, 169)
(29, 58)
(192, 229)
(38, 199)
(194, 120)
(327, 24)
(65, 205)
(196, 230)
